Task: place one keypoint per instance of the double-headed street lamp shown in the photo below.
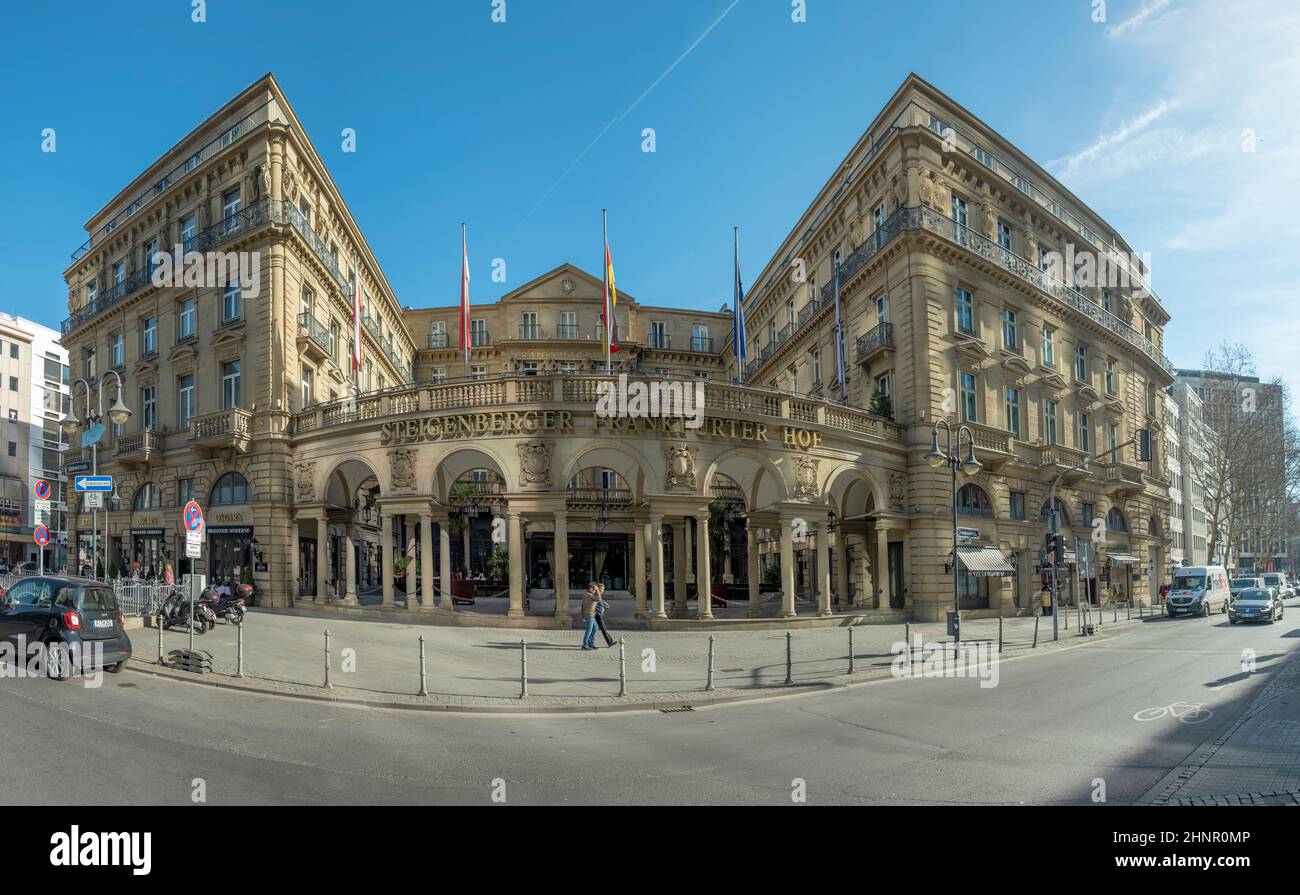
(118, 414)
(937, 458)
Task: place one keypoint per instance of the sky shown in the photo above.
(1175, 120)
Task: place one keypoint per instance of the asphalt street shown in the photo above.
(1120, 712)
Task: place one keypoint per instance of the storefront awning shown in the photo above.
(1124, 558)
(984, 561)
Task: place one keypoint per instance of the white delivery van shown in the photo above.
(1198, 590)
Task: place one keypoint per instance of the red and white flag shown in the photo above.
(358, 308)
(464, 294)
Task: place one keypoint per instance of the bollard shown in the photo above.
(1128, 611)
(850, 649)
(622, 666)
(1036, 620)
(999, 635)
(424, 690)
(1115, 612)
(239, 651)
(159, 622)
(907, 636)
(789, 661)
(328, 685)
(523, 668)
(708, 681)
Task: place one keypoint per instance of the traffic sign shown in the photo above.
(94, 501)
(42, 489)
(101, 483)
(41, 535)
(968, 534)
(76, 466)
(193, 545)
(192, 517)
(92, 435)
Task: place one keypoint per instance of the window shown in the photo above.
(1086, 510)
(306, 387)
(1045, 514)
(528, 367)
(658, 334)
(771, 332)
(91, 292)
(478, 334)
(230, 385)
(528, 329)
(968, 402)
(568, 325)
(1084, 441)
(232, 301)
(789, 305)
(965, 311)
(185, 320)
(882, 308)
(1004, 235)
(149, 497)
(1081, 362)
(1010, 338)
(1013, 410)
(231, 488)
(477, 372)
(1017, 506)
(189, 230)
(117, 341)
(1112, 441)
(793, 373)
(184, 400)
(1105, 300)
(1110, 376)
(149, 337)
(13, 350)
(13, 383)
(958, 215)
(700, 340)
(150, 250)
(973, 501)
(439, 374)
(1049, 347)
(817, 366)
(307, 301)
(1044, 261)
(879, 217)
(184, 491)
(149, 406)
(882, 385)
(88, 362)
(230, 204)
(119, 273)
(1049, 422)
(13, 449)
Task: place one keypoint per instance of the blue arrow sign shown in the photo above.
(102, 484)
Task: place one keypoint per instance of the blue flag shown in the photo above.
(738, 340)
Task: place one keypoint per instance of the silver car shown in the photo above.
(1256, 604)
(1239, 584)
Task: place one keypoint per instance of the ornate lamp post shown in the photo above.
(118, 414)
(937, 458)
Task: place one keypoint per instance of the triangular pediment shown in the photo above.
(567, 282)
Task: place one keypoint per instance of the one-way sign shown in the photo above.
(95, 483)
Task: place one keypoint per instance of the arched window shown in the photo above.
(1151, 526)
(1045, 514)
(1115, 520)
(230, 488)
(972, 501)
(149, 497)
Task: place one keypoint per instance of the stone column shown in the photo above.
(638, 566)
(515, 532)
(464, 553)
(880, 568)
(688, 551)
(679, 569)
(322, 557)
(753, 572)
(388, 567)
(560, 567)
(295, 572)
(445, 602)
(824, 569)
(350, 560)
(704, 572)
(657, 564)
(426, 561)
(842, 566)
(787, 567)
(411, 556)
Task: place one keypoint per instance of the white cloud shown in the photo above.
(1148, 10)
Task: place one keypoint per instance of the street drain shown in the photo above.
(128, 685)
(684, 708)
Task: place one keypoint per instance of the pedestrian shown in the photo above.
(589, 601)
(1046, 600)
(601, 606)
(169, 577)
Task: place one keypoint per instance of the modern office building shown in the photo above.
(1191, 446)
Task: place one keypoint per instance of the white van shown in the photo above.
(1198, 590)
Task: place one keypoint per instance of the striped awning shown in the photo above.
(1124, 558)
(984, 562)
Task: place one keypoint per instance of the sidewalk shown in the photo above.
(378, 663)
(1255, 761)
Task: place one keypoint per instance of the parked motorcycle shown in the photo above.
(175, 613)
(231, 607)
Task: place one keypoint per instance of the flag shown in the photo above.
(738, 340)
(358, 307)
(608, 319)
(464, 293)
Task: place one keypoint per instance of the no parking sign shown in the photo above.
(42, 489)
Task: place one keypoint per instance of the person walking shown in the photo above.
(169, 577)
(589, 601)
(601, 606)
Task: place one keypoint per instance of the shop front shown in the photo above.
(148, 545)
(230, 553)
(592, 557)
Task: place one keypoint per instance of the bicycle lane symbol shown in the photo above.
(1185, 712)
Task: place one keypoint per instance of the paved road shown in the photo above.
(1057, 722)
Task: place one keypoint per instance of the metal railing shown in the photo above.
(531, 332)
(880, 336)
(702, 344)
(438, 340)
(662, 341)
(315, 330)
(567, 331)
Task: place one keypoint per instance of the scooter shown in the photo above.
(175, 613)
(231, 607)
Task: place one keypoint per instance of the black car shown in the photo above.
(79, 613)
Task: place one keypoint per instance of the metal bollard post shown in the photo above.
(999, 635)
(622, 666)
(789, 659)
(523, 668)
(708, 681)
(850, 649)
(1115, 612)
(1128, 611)
(157, 620)
(1036, 620)
(424, 690)
(328, 685)
(239, 651)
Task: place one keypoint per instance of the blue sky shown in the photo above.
(462, 119)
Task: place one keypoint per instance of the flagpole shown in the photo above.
(839, 336)
(604, 262)
(737, 313)
(464, 295)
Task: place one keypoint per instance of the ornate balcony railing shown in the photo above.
(438, 340)
(143, 442)
(614, 497)
(232, 423)
(315, 330)
(567, 331)
(702, 344)
(531, 333)
(880, 336)
(662, 341)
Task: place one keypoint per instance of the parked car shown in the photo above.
(1198, 590)
(1240, 584)
(1256, 604)
(77, 613)
(1279, 581)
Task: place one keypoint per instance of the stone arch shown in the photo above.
(345, 478)
(631, 467)
(973, 500)
(853, 492)
(458, 461)
(761, 481)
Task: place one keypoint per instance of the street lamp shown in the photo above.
(937, 458)
(118, 414)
